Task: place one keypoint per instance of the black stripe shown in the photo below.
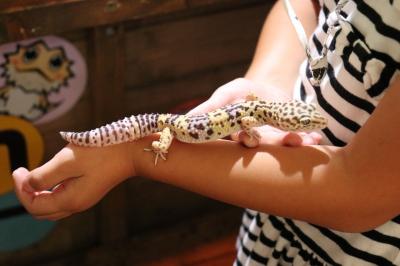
(382, 238)
(11, 212)
(140, 127)
(347, 51)
(332, 138)
(376, 19)
(278, 254)
(244, 249)
(311, 243)
(257, 257)
(263, 238)
(317, 43)
(346, 122)
(326, 11)
(237, 262)
(258, 220)
(303, 93)
(250, 234)
(248, 214)
(352, 251)
(325, 27)
(396, 219)
(253, 255)
(383, 82)
(290, 237)
(266, 241)
(349, 97)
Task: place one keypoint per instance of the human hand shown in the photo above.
(236, 91)
(73, 180)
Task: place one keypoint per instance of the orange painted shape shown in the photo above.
(34, 149)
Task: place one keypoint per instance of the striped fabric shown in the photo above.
(363, 52)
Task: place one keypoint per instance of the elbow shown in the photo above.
(368, 196)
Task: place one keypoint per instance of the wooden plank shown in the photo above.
(215, 3)
(10, 6)
(219, 252)
(106, 82)
(181, 238)
(165, 52)
(165, 205)
(73, 234)
(63, 17)
(156, 98)
(107, 70)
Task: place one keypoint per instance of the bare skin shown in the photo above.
(352, 189)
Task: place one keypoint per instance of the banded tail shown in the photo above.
(124, 130)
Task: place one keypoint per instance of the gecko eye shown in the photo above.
(305, 121)
(56, 62)
(30, 54)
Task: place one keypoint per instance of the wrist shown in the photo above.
(139, 158)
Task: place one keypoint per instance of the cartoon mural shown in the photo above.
(32, 72)
(40, 80)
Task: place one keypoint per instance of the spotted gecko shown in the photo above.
(289, 116)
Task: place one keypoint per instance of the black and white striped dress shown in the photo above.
(363, 52)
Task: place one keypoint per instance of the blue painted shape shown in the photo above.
(17, 228)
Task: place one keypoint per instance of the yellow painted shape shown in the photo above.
(34, 147)
(5, 183)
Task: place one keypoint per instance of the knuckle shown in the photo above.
(36, 183)
(243, 82)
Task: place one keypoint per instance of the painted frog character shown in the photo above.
(31, 73)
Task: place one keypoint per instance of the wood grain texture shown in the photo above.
(37, 20)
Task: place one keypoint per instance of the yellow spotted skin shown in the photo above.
(289, 116)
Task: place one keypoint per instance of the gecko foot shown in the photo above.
(253, 133)
(159, 150)
(251, 97)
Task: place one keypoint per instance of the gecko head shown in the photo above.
(300, 116)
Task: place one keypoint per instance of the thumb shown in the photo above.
(214, 102)
(52, 173)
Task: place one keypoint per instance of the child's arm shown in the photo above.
(351, 189)
(101, 169)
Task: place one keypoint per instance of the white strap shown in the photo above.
(297, 26)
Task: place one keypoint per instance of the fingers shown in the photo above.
(248, 141)
(42, 203)
(272, 136)
(52, 173)
(214, 102)
(230, 92)
(301, 139)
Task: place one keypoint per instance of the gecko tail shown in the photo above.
(84, 139)
(124, 130)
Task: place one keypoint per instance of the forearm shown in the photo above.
(279, 53)
(306, 183)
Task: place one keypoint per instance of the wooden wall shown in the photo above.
(143, 64)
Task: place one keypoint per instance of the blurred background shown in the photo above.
(141, 56)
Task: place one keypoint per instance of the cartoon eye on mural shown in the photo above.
(40, 78)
